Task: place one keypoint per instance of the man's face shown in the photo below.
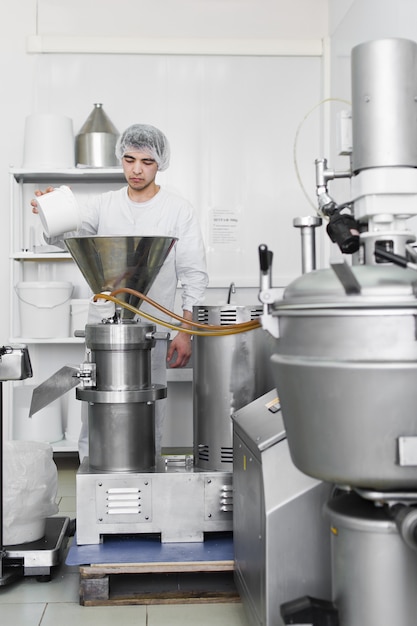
(139, 169)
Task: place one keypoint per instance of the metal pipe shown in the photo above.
(307, 226)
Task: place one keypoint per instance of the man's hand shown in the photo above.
(179, 351)
(38, 193)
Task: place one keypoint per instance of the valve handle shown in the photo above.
(265, 258)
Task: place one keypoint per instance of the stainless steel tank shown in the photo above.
(346, 369)
(384, 104)
(373, 569)
(228, 372)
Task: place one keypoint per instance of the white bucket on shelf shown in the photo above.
(48, 141)
(44, 308)
(45, 425)
(79, 314)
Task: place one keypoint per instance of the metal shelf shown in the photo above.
(53, 340)
(27, 262)
(47, 256)
(75, 174)
(64, 446)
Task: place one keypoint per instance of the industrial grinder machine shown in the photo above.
(122, 488)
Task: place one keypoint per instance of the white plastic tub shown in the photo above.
(79, 314)
(44, 308)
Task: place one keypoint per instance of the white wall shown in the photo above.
(270, 93)
(231, 120)
(297, 19)
(362, 20)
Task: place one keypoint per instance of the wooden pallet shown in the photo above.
(157, 583)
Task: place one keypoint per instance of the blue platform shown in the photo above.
(150, 549)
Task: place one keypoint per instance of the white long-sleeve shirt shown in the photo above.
(168, 215)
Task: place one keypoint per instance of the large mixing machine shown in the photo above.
(346, 354)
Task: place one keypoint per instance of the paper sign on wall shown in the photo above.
(224, 229)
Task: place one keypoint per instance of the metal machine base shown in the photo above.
(36, 558)
(179, 503)
(281, 538)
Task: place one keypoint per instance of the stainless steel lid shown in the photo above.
(357, 286)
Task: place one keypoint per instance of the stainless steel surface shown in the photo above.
(374, 571)
(121, 406)
(384, 120)
(347, 277)
(123, 436)
(281, 539)
(179, 503)
(122, 354)
(153, 393)
(53, 388)
(96, 142)
(228, 373)
(108, 263)
(354, 358)
(383, 286)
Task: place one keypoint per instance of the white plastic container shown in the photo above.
(44, 309)
(30, 490)
(48, 142)
(59, 211)
(79, 314)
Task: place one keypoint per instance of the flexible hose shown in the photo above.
(295, 159)
(229, 330)
(251, 324)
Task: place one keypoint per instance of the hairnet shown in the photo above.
(145, 138)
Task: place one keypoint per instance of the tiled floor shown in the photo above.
(31, 603)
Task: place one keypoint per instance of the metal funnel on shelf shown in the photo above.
(108, 263)
(96, 141)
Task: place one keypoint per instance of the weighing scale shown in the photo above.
(36, 558)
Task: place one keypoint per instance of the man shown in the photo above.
(144, 208)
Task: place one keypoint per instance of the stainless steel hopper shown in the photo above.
(108, 263)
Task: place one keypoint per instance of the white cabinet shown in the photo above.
(32, 261)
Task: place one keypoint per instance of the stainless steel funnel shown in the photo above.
(96, 142)
(108, 263)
